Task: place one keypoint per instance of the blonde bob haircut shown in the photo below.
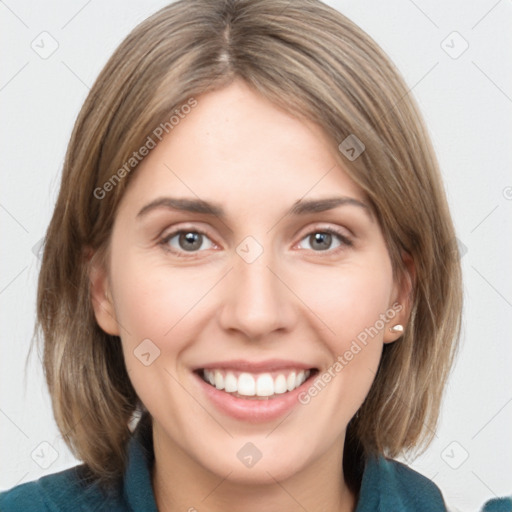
(312, 61)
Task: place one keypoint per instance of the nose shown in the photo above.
(256, 299)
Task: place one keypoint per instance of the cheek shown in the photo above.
(157, 303)
(350, 305)
(152, 300)
(152, 306)
(349, 301)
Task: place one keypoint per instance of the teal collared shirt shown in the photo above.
(386, 486)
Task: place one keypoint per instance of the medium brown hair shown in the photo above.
(316, 64)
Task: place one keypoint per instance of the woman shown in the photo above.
(250, 293)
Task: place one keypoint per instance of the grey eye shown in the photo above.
(322, 240)
(189, 241)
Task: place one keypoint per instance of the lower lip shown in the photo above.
(250, 409)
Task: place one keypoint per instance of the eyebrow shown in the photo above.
(300, 207)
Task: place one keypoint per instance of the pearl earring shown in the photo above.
(397, 329)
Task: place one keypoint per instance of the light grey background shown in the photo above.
(466, 99)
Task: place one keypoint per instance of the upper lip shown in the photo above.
(268, 365)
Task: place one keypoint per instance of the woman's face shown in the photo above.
(286, 274)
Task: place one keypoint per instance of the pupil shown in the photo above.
(193, 241)
(322, 239)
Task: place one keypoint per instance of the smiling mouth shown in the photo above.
(256, 386)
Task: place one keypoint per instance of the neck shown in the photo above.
(180, 483)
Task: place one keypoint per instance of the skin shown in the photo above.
(295, 301)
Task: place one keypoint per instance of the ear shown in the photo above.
(402, 299)
(101, 296)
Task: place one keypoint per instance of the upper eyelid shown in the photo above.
(329, 228)
(173, 232)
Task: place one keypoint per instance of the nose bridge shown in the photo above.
(256, 301)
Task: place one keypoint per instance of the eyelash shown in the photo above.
(344, 240)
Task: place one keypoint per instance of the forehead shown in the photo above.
(237, 147)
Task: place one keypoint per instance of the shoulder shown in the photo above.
(498, 505)
(408, 480)
(390, 485)
(67, 490)
(76, 489)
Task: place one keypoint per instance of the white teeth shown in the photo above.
(290, 381)
(263, 384)
(219, 380)
(230, 383)
(280, 384)
(246, 385)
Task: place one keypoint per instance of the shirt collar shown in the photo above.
(137, 486)
(390, 485)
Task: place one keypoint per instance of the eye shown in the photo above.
(323, 240)
(193, 241)
(186, 240)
